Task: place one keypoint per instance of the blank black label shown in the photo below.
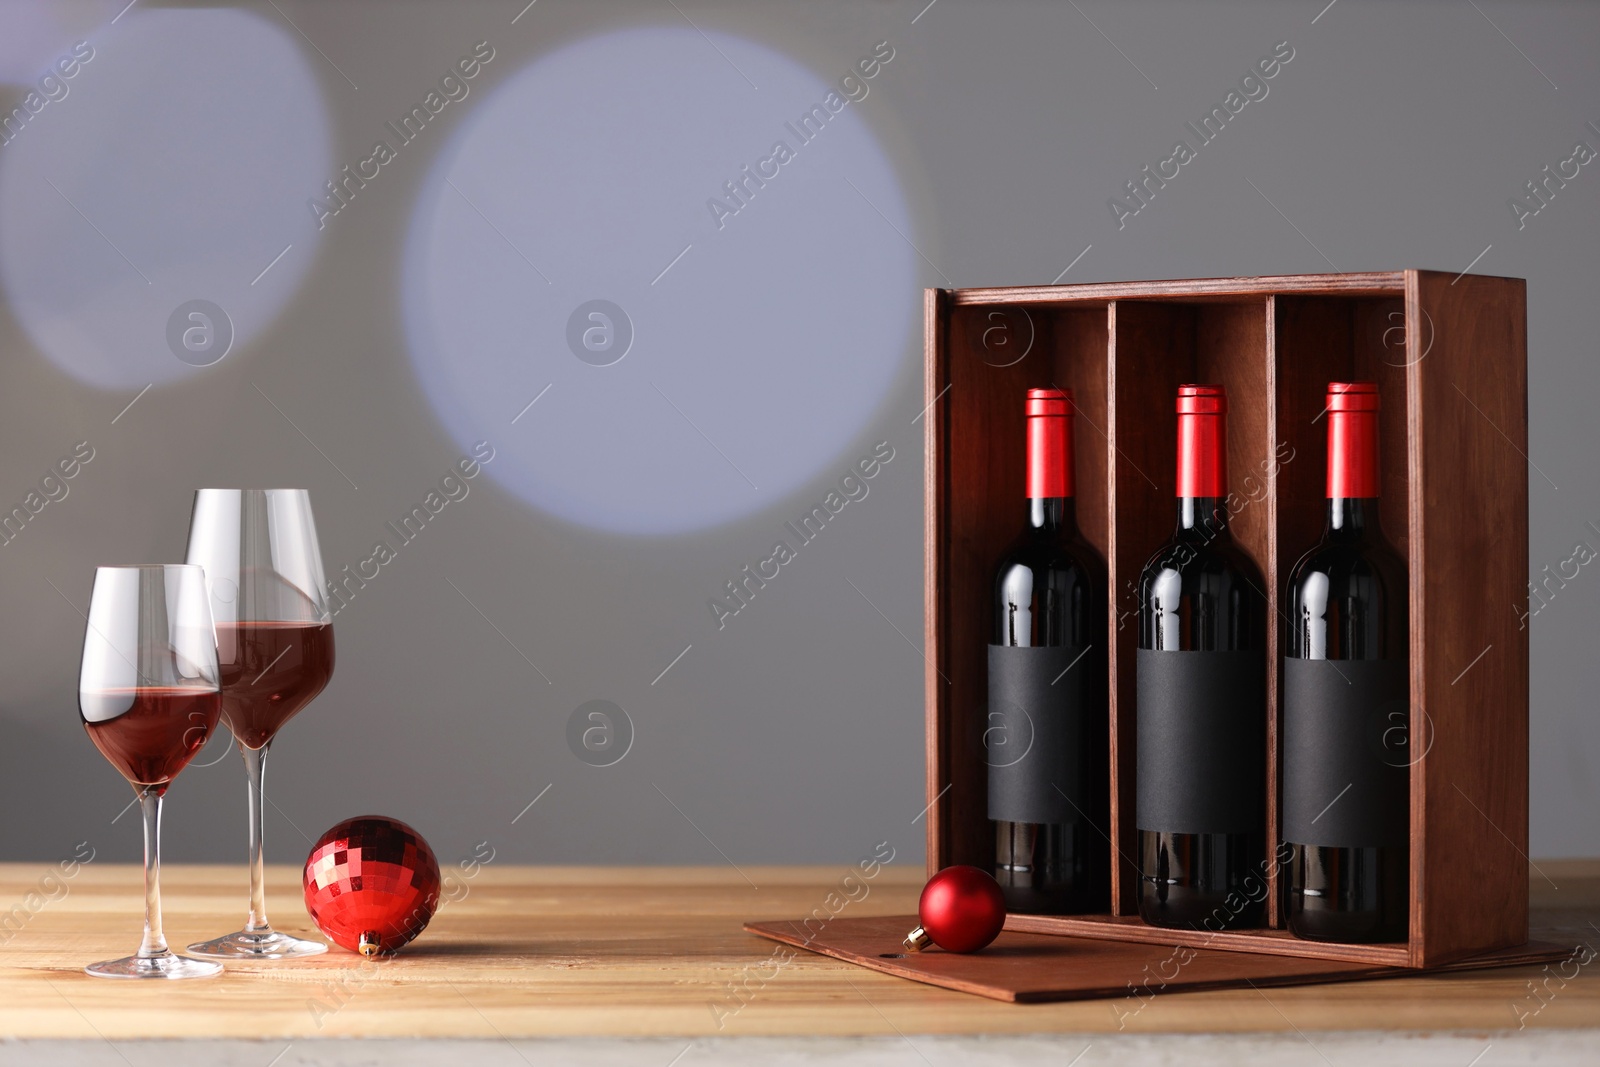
(1033, 730)
(1201, 742)
(1346, 752)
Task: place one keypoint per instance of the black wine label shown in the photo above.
(1346, 752)
(1033, 731)
(1201, 742)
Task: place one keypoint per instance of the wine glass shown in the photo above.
(274, 654)
(147, 690)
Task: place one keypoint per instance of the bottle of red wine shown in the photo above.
(1346, 703)
(1201, 703)
(1046, 729)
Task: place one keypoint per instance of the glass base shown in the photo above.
(168, 965)
(267, 945)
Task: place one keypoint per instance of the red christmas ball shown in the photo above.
(962, 909)
(371, 884)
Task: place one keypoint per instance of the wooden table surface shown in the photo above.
(533, 951)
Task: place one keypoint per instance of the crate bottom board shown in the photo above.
(1024, 967)
(1264, 941)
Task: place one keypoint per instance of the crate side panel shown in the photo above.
(1469, 547)
(935, 581)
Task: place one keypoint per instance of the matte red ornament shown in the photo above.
(961, 910)
(371, 884)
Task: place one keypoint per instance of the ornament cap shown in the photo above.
(369, 944)
(917, 940)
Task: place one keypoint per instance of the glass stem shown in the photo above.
(154, 944)
(254, 765)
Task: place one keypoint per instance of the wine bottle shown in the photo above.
(1346, 703)
(1046, 729)
(1200, 699)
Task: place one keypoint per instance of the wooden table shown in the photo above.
(531, 951)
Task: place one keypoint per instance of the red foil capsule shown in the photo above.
(1050, 413)
(1352, 440)
(1202, 441)
(371, 884)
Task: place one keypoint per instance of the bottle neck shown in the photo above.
(1352, 517)
(1052, 514)
(1050, 483)
(1203, 514)
(1050, 457)
(1352, 473)
(1202, 471)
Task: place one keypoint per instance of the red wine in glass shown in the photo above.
(274, 632)
(147, 694)
(269, 671)
(149, 733)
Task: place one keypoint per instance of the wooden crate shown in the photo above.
(1449, 355)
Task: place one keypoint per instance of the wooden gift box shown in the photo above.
(1449, 355)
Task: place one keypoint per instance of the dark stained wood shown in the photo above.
(1309, 345)
(1378, 343)
(1469, 563)
(981, 368)
(1033, 968)
(984, 470)
(1080, 352)
(1155, 348)
(936, 575)
(1231, 347)
(1312, 346)
(1317, 340)
(1455, 502)
(1152, 351)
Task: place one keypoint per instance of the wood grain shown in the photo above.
(1316, 340)
(1035, 968)
(1469, 560)
(1193, 290)
(1268, 942)
(981, 366)
(658, 951)
(1032, 968)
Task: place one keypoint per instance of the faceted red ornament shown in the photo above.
(962, 909)
(371, 884)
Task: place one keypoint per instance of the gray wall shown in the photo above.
(780, 349)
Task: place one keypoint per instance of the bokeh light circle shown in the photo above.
(763, 336)
(39, 32)
(176, 168)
